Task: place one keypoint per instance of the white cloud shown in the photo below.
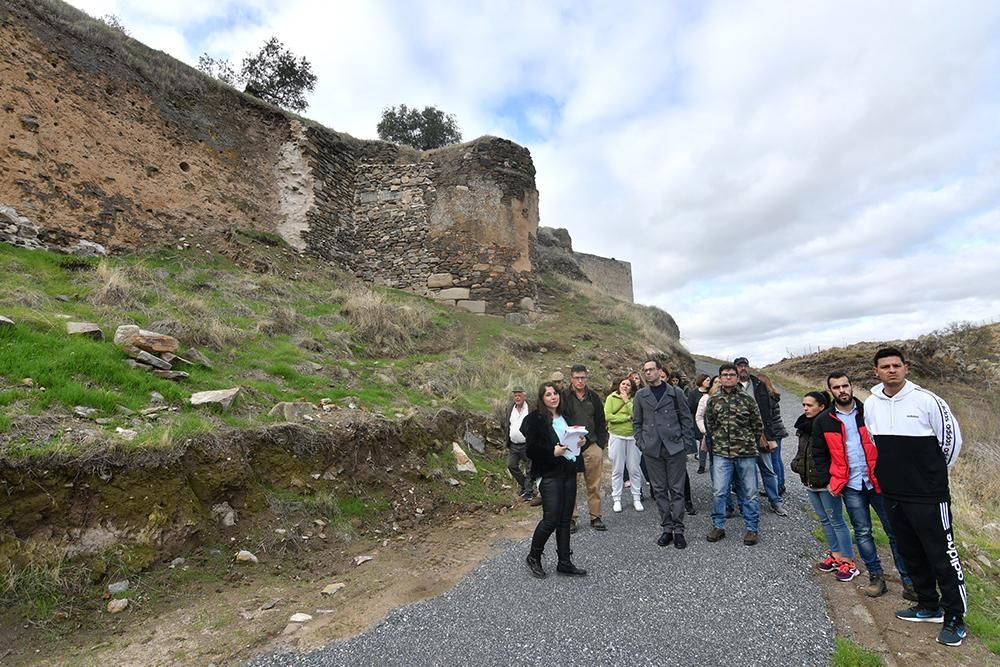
(780, 175)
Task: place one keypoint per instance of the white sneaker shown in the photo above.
(617, 506)
(637, 504)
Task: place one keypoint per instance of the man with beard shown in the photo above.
(852, 475)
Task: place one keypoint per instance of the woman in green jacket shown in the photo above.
(622, 449)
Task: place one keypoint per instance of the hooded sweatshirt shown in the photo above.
(918, 440)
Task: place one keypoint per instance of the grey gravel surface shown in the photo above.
(710, 604)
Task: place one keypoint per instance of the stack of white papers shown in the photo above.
(572, 439)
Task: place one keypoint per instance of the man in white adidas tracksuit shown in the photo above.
(918, 440)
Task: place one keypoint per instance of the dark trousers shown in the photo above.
(667, 475)
(515, 456)
(926, 542)
(558, 499)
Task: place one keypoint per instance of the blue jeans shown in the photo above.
(744, 470)
(778, 465)
(769, 477)
(830, 511)
(857, 503)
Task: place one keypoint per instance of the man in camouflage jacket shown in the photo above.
(733, 420)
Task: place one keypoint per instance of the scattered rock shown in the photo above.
(171, 375)
(156, 398)
(300, 618)
(84, 412)
(516, 319)
(244, 556)
(6, 321)
(358, 560)
(133, 339)
(196, 357)
(174, 359)
(27, 382)
(117, 606)
(290, 411)
(221, 397)
(462, 461)
(122, 410)
(151, 359)
(478, 307)
(474, 442)
(104, 421)
(225, 514)
(454, 482)
(132, 363)
(176, 563)
(86, 329)
(527, 304)
(269, 605)
(118, 587)
(291, 628)
(332, 589)
(126, 433)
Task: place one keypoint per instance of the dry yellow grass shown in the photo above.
(377, 320)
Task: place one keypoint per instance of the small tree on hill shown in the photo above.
(272, 74)
(112, 21)
(424, 129)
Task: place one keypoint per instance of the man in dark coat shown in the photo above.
(663, 428)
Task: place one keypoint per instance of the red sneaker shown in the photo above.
(847, 571)
(829, 564)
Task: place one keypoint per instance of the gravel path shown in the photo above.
(710, 604)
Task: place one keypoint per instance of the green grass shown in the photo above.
(848, 654)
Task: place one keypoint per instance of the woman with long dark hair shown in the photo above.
(812, 463)
(622, 450)
(543, 430)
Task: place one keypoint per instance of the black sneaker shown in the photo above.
(918, 614)
(665, 539)
(689, 508)
(701, 470)
(679, 541)
(953, 632)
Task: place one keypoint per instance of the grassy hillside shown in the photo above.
(283, 328)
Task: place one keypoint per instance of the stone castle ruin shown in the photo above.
(112, 147)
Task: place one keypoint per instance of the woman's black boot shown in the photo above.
(566, 567)
(535, 565)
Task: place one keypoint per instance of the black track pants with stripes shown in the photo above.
(927, 544)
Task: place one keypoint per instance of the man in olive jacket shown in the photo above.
(733, 420)
(663, 428)
(581, 406)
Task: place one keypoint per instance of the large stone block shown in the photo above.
(478, 307)
(440, 280)
(453, 293)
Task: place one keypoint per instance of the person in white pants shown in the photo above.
(622, 449)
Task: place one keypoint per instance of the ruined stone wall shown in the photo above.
(611, 276)
(111, 143)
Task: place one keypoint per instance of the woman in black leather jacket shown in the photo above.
(542, 430)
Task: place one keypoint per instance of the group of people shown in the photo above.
(891, 454)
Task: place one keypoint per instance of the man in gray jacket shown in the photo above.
(663, 427)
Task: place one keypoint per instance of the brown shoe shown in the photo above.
(750, 538)
(715, 534)
(536, 501)
(876, 586)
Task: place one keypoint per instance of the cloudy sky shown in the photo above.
(781, 175)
